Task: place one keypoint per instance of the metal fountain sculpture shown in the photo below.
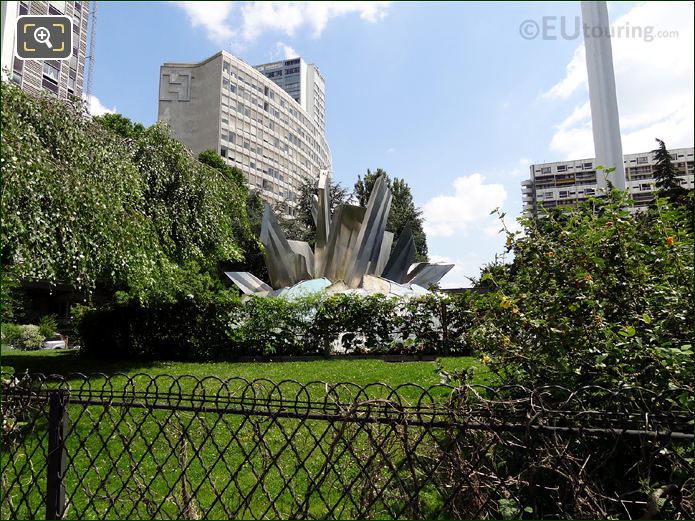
(353, 253)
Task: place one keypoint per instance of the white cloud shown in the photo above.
(654, 82)
(573, 137)
(521, 170)
(285, 52)
(464, 269)
(96, 108)
(575, 76)
(467, 208)
(256, 18)
(287, 17)
(212, 16)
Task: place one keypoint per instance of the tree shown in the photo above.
(302, 227)
(83, 207)
(119, 124)
(666, 175)
(248, 233)
(212, 158)
(403, 210)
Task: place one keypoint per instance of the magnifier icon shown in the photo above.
(43, 35)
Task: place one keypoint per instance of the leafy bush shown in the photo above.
(31, 337)
(595, 296)
(48, 326)
(217, 326)
(11, 333)
(27, 336)
(191, 328)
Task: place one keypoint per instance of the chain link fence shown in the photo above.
(167, 447)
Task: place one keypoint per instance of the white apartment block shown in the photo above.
(566, 183)
(60, 78)
(274, 136)
(303, 82)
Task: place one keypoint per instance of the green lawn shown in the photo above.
(126, 462)
(360, 372)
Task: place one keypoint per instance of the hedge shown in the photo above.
(224, 328)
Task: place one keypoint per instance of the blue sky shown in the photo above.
(448, 96)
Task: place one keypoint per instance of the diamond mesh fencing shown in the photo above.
(142, 447)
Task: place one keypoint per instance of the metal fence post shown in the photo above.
(57, 426)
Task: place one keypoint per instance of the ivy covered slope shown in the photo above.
(595, 296)
(85, 207)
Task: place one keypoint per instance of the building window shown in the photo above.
(71, 81)
(17, 70)
(51, 74)
(642, 160)
(587, 166)
(223, 152)
(545, 170)
(231, 138)
(561, 168)
(58, 7)
(225, 67)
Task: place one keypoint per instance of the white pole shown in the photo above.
(9, 27)
(604, 103)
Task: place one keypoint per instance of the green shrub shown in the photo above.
(217, 326)
(191, 328)
(11, 333)
(30, 337)
(596, 296)
(48, 326)
(26, 336)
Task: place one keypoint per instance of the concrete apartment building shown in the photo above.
(566, 183)
(61, 78)
(303, 82)
(268, 120)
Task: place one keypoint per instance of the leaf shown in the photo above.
(627, 332)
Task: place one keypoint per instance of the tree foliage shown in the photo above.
(302, 227)
(83, 206)
(120, 125)
(403, 213)
(213, 159)
(666, 175)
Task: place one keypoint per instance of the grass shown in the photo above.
(360, 372)
(123, 462)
